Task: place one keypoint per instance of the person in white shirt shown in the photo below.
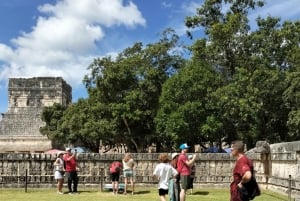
(164, 172)
(128, 165)
(59, 171)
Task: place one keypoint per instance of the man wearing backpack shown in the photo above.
(115, 169)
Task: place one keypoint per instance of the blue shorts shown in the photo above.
(128, 173)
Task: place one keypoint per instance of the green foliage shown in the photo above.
(183, 105)
(238, 84)
(129, 88)
(52, 117)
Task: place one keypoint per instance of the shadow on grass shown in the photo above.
(201, 193)
(142, 192)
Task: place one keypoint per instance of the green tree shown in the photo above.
(183, 106)
(52, 116)
(254, 65)
(129, 88)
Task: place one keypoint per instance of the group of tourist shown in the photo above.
(174, 176)
(65, 165)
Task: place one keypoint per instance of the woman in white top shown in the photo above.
(128, 164)
(59, 172)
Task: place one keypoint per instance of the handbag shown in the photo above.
(61, 172)
(249, 190)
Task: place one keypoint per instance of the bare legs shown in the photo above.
(182, 195)
(60, 183)
(126, 184)
(115, 187)
(162, 198)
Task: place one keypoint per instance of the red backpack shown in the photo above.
(115, 167)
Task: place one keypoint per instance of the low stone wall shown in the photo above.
(212, 170)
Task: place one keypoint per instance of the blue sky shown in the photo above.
(62, 37)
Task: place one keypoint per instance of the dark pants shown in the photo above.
(72, 178)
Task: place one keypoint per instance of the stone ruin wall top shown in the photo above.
(19, 126)
(37, 92)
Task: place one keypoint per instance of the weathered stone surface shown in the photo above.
(19, 126)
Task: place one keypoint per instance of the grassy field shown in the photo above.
(144, 194)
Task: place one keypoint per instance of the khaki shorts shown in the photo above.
(184, 181)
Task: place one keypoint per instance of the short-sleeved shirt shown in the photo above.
(182, 167)
(70, 163)
(128, 165)
(164, 171)
(242, 165)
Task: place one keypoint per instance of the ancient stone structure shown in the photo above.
(19, 126)
(213, 170)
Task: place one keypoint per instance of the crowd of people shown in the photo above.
(174, 176)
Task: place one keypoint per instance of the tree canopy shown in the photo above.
(239, 83)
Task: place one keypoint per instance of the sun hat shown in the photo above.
(184, 146)
(60, 152)
(174, 155)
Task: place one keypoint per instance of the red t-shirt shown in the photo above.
(70, 163)
(242, 165)
(115, 167)
(182, 167)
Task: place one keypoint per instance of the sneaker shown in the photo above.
(59, 192)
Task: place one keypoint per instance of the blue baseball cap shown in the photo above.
(184, 146)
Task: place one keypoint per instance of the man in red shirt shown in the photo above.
(242, 173)
(71, 170)
(184, 168)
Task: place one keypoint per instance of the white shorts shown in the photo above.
(58, 175)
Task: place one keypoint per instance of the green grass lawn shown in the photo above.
(142, 194)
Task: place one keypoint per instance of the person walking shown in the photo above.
(174, 185)
(59, 171)
(243, 186)
(115, 169)
(184, 169)
(164, 172)
(128, 165)
(71, 170)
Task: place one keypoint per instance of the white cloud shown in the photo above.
(287, 10)
(63, 42)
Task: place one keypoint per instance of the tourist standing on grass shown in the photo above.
(192, 175)
(59, 171)
(184, 169)
(115, 168)
(174, 185)
(71, 170)
(242, 174)
(164, 172)
(128, 165)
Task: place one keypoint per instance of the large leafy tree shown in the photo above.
(129, 87)
(183, 106)
(254, 64)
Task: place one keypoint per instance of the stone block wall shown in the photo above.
(212, 170)
(19, 126)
